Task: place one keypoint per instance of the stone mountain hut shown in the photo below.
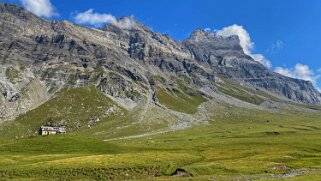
(50, 130)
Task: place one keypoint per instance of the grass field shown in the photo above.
(239, 144)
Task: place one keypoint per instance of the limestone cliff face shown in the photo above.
(121, 60)
(227, 59)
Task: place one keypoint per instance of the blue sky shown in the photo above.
(286, 32)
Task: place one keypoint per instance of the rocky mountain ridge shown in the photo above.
(125, 60)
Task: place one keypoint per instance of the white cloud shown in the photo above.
(95, 19)
(89, 17)
(260, 58)
(284, 71)
(42, 8)
(245, 42)
(300, 71)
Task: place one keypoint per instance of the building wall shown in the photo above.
(52, 132)
(48, 132)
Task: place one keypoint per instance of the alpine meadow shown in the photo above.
(104, 98)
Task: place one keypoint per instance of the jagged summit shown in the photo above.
(202, 35)
(198, 32)
(208, 41)
(199, 35)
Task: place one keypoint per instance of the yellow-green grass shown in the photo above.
(179, 97)
(180, 100)
(12, 74)
(236, 144)
(240, 92)
(66, 156)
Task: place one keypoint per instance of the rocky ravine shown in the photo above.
(40, 57)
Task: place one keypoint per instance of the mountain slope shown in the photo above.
(131, 64)
(75, 108)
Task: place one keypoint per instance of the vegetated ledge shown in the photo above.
(179, 100)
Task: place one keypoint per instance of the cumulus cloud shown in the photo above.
(90, 17)
(299, 71)
(95, 19)
(245, 42)
(42, 8)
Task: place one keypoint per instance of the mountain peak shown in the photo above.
(208, 41)
(200, 34)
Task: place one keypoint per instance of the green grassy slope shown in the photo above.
(240, 92)
(242, 95)
(73, 107)
(178, 96)
(178, 101)
(237, 143)
(183, 99)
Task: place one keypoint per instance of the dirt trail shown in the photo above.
(183, 121)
